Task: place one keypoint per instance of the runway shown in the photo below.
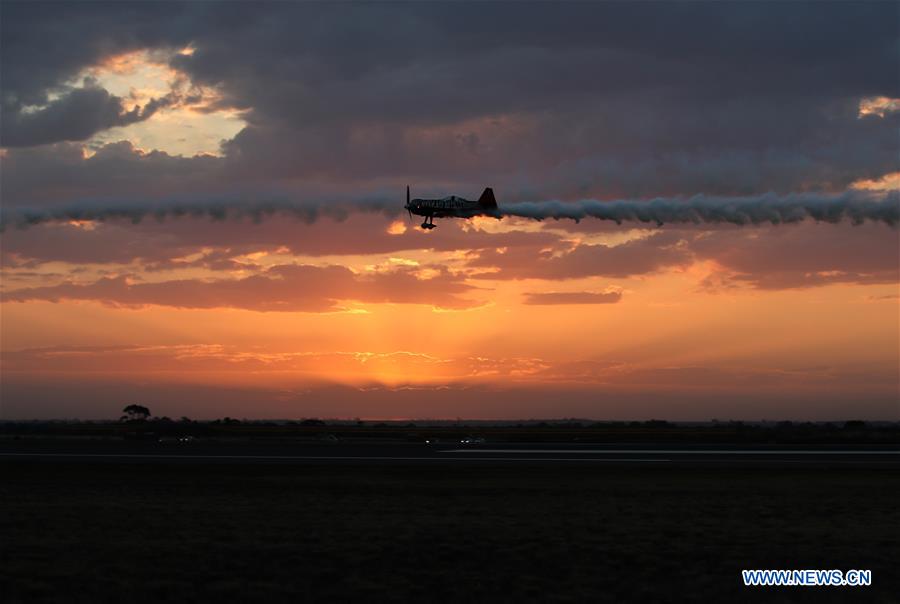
(314, 453)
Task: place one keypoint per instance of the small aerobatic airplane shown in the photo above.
(451, 207)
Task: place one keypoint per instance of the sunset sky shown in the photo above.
(363, 314)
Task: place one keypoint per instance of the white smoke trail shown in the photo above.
(854, 206)
(135, 212)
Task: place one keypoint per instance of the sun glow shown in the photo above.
(888, 182)
(398, 227)
(878, 105)
(191, 119)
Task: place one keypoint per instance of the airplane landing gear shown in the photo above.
(429, 223)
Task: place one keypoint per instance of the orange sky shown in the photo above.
(373, 317)
(669, 332)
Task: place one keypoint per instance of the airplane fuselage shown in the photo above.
(442, 208)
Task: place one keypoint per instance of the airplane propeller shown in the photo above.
(408, 209)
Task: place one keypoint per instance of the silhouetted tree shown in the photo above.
(136, 412)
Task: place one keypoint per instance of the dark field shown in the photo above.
(571, 431)
(142, 532)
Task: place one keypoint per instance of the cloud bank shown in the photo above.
(287, 288)
(454, 96)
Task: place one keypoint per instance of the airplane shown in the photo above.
(451, 207)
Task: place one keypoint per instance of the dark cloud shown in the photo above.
(804, 256)
(76, 116)
(290, 288)
(427, 62)
(542, 101)
(45, 44)
(159, 243)
(590, 108)
(349, 41)
(782, 257)
(572, 298)
(51, 174)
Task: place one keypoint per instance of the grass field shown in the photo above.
(259, 533)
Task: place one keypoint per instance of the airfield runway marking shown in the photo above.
(674, 451)
(324, 457)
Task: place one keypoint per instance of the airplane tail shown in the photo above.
(487, 199)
